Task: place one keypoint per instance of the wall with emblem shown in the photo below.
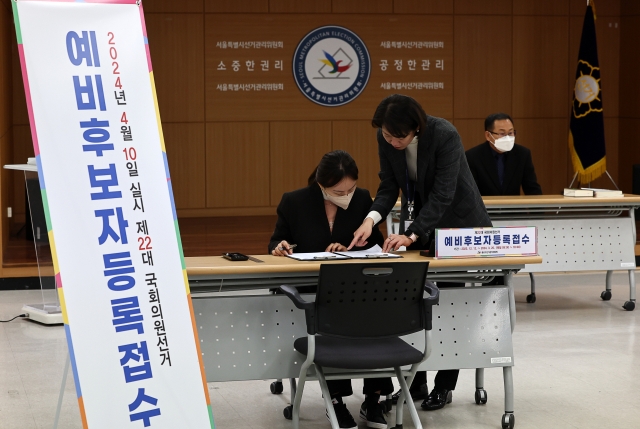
(239, 131)
(629, 91)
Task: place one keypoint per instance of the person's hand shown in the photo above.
(394, 242)
(282, 249)
(335, 247)
(361, 234)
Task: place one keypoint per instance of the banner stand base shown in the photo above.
(47, 314)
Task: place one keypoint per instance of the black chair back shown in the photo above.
(371, 300)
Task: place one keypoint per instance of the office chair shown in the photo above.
(344, 332)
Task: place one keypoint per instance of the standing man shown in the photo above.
(423, 156)
(499, 166)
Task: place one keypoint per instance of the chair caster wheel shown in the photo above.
(629, 305)
(605, 295)
(531, 298)
(288, 412)
(508, 421)
(276, 387)
(481, 396)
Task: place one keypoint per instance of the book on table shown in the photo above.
(606, 193)
(570, 192)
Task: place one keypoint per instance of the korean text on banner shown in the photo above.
(110, 214)
(483, 242)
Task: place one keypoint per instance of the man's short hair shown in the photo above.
(488, 123)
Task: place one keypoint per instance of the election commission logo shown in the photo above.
(331, 66)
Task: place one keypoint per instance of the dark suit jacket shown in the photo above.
(518, 171)
(448, 196)
(302, 220)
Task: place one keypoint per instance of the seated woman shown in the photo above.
(322, 217)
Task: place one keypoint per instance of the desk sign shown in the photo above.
(111, 219)
(483, 242)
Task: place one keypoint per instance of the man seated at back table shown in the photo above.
(499, 166)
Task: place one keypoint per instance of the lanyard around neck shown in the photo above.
(410, 193)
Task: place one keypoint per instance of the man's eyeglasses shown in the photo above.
(511, 134)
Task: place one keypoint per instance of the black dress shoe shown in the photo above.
(421, 393)
(437, 399)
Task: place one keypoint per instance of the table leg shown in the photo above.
(292, 382)
(481, 394)
(631, 304)
(606, 294)
(508, 281)
(531, 298)
(508, 419)
(479, 378)
(507, 373)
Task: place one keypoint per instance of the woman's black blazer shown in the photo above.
(302, 220)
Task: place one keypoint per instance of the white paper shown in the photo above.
(372, 253)
(316, 256)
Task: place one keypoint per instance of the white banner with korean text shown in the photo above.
(483, 242)
(110, 212)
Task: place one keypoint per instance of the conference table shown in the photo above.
(246, 332)
(574, 234)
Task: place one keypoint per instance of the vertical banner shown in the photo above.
(586, 133)
(111, 218)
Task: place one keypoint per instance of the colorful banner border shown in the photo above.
(45, 201)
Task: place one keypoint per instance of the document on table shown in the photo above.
(373, 253)
(317, 256)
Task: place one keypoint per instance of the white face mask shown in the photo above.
(505, 144)
(342, 201)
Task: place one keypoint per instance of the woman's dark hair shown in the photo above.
(399, 115)
(333, 167)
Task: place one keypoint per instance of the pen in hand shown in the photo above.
(291, 246)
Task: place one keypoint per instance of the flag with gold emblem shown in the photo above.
(586, 134)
